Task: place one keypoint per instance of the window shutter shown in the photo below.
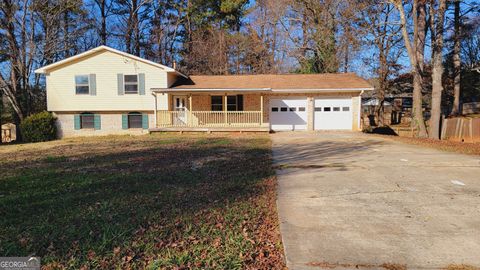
(120, 84)
(93, 84)
(76, 121)
(141, 83)
(97, 125)
(145, 121)
(124, 121)
(239, 102)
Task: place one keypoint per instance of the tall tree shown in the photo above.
(165, 31)
(105, 8)
(456, 59)
(416, 53)
(437, 18)
(133, 15)
(382, 34)
(210, 31)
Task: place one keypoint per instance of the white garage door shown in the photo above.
(288, 114)
(333, 113)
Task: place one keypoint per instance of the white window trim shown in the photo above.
(82, 84)
(125, 83)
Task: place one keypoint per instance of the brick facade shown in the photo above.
(202, 102)
(111, 124)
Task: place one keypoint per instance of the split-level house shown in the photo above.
(106, 91)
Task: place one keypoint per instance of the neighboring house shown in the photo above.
(106, 91)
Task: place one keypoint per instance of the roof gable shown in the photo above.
(95, 51)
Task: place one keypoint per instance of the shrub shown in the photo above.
(39, 127)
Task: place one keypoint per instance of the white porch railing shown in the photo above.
(209, 118)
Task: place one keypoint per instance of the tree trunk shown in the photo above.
(66, 33)
(415, 54)
(419, 41)
(103, 29)
(136, 28)
(456, 61)
(437, 69)
(380, 112)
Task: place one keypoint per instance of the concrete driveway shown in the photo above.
(353, 201)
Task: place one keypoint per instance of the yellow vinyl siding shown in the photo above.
(106, 65)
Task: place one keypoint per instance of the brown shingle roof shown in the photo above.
(275, 81)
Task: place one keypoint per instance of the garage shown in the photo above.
(288, 114)
(333, 114)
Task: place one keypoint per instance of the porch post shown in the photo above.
(190, 110)
(261, 109)
(225, 108)
(155, 113)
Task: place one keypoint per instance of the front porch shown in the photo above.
(207, 112)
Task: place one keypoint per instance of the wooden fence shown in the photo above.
(461, 129)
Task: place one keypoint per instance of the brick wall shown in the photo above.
(111, 123)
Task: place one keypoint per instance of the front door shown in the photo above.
(180, 108)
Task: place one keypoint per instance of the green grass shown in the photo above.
(156, 202)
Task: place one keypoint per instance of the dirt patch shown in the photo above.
(457, 147)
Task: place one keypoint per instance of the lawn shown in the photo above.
(155, 201)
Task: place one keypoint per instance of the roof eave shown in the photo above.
(313, 90)
(306, 90)
(164, 90)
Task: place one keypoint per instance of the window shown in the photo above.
(234, 103)
(346, 109)
(301, 109)
(274, 109)
(231, 103)
(135, 120)
(82, 85)
(87, 121)
(327, 109)
(131, 84)
(318, 109)
(336, 109)
(293, 109)
(283, 109)
(217, 104)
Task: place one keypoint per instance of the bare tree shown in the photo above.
(105, 8)
(382, 33)
(17, 23)
(456, 59)
(437, 18)
(132, 14)
(416, 56)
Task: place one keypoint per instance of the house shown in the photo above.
(106, 91)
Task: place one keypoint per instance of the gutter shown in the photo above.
(165, 90)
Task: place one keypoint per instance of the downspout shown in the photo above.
(360, 110)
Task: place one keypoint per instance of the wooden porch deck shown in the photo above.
(210, 121)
